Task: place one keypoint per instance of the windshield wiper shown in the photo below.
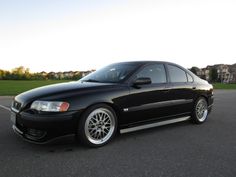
(90, 80)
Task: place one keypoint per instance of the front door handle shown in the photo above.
(166, 90)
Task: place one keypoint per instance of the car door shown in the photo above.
(151, 101)
(181, 90)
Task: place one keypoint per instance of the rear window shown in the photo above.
(176, 74)
(156, 72)
(190, 78)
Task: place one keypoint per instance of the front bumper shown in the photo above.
(43, 128)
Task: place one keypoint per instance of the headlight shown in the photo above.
(50, 106)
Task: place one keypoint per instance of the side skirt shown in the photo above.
(156, 124)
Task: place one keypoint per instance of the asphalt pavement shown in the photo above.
(177, 150)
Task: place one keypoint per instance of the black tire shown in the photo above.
(92, 127)
(200, 111)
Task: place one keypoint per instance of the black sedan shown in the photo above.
(122, 97)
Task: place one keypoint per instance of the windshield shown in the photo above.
(114, 73)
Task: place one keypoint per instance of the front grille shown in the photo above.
(16, 105)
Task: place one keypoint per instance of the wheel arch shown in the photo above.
(204, 96)
(200, 94)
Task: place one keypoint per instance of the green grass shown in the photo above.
(224, 86)
(14, 87)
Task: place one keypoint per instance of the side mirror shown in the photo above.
(142, 81)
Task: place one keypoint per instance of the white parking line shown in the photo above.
(4, 107)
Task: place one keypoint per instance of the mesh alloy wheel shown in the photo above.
(200, 112)
(97, 125)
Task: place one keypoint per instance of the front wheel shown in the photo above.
(97, 126)
(200, 111)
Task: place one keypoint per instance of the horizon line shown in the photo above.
(10, 70)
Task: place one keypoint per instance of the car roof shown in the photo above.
(150, 61)
(145, 62)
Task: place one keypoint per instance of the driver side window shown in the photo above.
(156, 72)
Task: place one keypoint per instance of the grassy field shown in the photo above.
(14, 87)
(224, 86)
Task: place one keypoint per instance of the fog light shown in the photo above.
(34, 133)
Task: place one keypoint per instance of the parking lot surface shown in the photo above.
(177, 150)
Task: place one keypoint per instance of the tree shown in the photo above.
(8, 75)
(77, 76)
(213, 75)
(2, 74)
(194, 69)
(21, 73)
(27, 74)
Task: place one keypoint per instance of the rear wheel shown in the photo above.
(200, 111)
(97, 126)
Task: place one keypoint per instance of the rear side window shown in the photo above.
(190, 78)
(176, 74)
(155, 72)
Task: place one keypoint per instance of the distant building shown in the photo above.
(232, 70)
(85, 73)
(66, 74)
(43, 73)
(225, 73)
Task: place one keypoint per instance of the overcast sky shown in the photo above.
(56, 35)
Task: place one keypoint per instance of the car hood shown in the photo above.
(58, 89)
